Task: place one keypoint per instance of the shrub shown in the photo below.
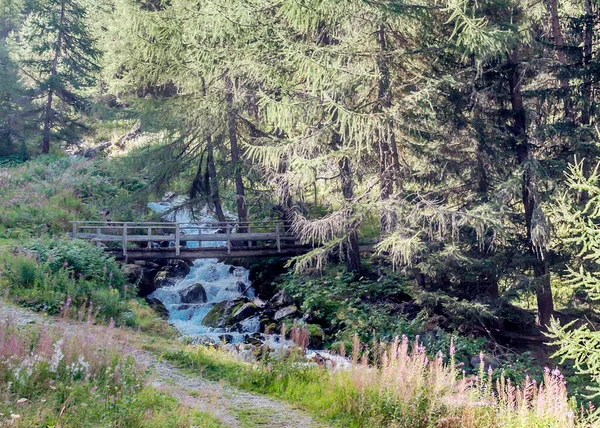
(81, 258)
(66, 271)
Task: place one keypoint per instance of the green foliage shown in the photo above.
(580, 345)
(82, 258)
(354, 305)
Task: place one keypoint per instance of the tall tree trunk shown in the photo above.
(214, 184)
(235, 154)
(48, 112)
(559, 46)
(541, 269)
(587, 59)
(286, 197)
(352, 255)
(387, 154)
(482, 177)
(352, 249)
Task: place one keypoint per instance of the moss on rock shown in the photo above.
(215, 315)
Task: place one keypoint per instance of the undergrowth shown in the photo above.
(42, 196)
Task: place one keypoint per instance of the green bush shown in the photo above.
(350, 305)
(79, 257)
(48, 273)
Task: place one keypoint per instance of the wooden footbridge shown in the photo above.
(160, 240)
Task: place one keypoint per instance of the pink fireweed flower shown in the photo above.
(452, 347)
(66, 264)
(68, 302)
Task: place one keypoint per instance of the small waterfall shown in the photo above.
(220, 281)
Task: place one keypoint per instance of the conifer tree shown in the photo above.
(59, 57)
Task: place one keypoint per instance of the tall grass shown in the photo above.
(64, 376)
(42, 196)
(398, 385)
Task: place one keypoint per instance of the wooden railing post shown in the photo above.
(249, 231)
(75, 231)
(125, 240)
(176, 239)
(98, 233)
(278, 237)
(228, 238)
(149, 235)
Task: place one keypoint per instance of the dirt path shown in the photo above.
(233, 407)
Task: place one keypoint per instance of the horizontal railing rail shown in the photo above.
(257, 234)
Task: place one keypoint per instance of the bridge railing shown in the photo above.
(254, 234)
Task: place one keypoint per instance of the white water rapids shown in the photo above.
(222, 282)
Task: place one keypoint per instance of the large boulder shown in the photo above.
(316, 335)
(141, 276)
(260, 304)
(285, 312)
(147, 285)
(241, 287)
(194, 294)
(215, 315)
(132, 272)
(245, 311)
(221, 315)
(281, 299)
(180, 268)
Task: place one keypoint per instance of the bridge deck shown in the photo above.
(158, 240)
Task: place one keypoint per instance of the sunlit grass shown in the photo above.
(395, 385)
